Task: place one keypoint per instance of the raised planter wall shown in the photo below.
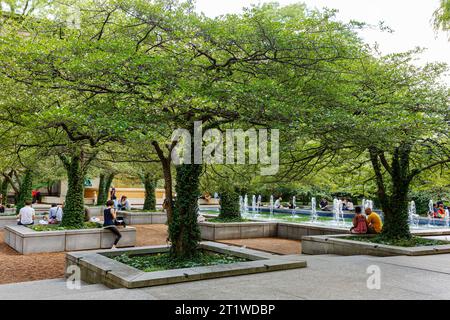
(136, 217)
(12, 220)
(98, 267)
(96, 212)
(25, 240)
(317, 245)
(246, 230)
(237, 230)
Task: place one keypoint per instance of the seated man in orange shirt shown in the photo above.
(373, 221)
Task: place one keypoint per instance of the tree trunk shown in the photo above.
(394, 205)
(167, 172)
(4, 191)
(103, 188)
(150, 185)
(396, 220)
(26, 188)
(184, 232)
(74, 205)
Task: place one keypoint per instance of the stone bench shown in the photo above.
(25, 240)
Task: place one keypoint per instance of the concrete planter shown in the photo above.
(296, 231)
(258, 229)
(25, 240)
(336, 245)
(237, 230)
(96, 212)
(98, 267)
(142, 217)
(12, 220)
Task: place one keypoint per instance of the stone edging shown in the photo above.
(98, 267)
(25, 240)
(333, 244)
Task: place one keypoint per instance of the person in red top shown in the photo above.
(440, 213)
(359, 222)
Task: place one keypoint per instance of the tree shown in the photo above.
(442, 16)
(391, 115)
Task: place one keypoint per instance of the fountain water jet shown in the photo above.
(314, 215)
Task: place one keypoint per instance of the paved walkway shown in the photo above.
(326, 277)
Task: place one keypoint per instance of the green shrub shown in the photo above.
(229, 204)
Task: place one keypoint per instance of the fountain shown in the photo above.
(430, 212)
(241, 205)
(254, 206)
(259, 202)
(413, 216)
(271, 206)
(338, 212)
(314, 215)
(246, 203)
(294, 205)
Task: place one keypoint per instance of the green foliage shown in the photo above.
(421, 199)
(164, 261)
(103, 188)
(229, 204)
(442, 16)
(401, 242)
(74, 205)
(26, 187)
(150, 186)
(56, 227)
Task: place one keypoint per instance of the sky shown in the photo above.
(411, 21)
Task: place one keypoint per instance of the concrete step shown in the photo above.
(47, 290)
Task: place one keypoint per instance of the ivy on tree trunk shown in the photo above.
(4, 191)
(150, 186)
(74, 205)
(184, 232)
(395, 203)
(26, 188)
(103, 188)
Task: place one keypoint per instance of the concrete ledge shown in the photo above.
(296, 231)
(263, 229)
(336, 245)
(98, 267)
(237, 230)
(95, 211)
(25, 240)
(12, 220)
(142, 217)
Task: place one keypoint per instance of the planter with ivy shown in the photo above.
(347, 245)
(54, 238)
(153, 266)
